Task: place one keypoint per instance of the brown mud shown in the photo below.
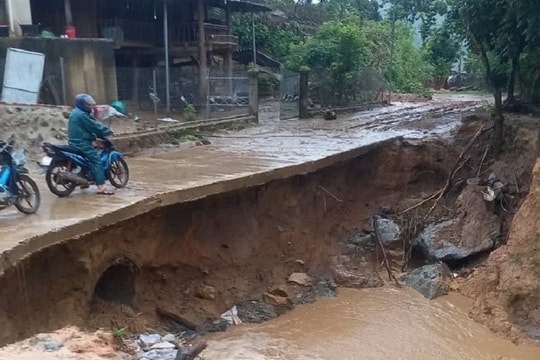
(193, 261)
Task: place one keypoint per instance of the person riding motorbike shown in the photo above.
(83, 129)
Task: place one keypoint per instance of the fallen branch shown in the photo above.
(482, 161)
(430, 197)
(385, 257)
(330, 194)
(516, 181)
(460, 162)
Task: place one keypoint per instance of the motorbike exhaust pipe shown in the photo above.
(74, 178)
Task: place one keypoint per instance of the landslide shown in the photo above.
(195, 260)
(506, 287)
(190, 262)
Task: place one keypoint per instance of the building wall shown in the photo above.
(19, 12)
(89, 64)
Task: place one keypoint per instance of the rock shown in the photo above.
(145, 341)
(256, 312)
(388, 230)
(428, 280)
(281, 290)
(52, 346)
(360, 239)
(475, 230)
(330, 115)
(190, 351)
(160, 354)
(276, 300)
(163, 345)
(207, 292)
(301, 279)
(356, 278)
(169, 338)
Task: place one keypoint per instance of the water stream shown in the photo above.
(370, 324)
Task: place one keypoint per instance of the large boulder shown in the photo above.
(475, 230)
(389, 232)
(428, 280)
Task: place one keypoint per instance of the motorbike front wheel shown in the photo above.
(118, 173)
(29, 197)
(58, 186)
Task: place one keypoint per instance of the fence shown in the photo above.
(365, 86)
(225, 95)
(289, 105)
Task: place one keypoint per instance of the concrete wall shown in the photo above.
(19, 12)
(89, 64)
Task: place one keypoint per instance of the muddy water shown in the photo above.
(369, 324)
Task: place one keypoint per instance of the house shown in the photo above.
(142, 31)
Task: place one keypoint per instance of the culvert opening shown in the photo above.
(117, 284)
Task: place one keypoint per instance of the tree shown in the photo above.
(425, 11)
(336, 52)
(442, 50)
(479, 22)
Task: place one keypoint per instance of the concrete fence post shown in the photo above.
(304, 94)
(253, 75)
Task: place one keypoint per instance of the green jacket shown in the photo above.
(83, 128)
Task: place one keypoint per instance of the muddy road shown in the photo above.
(274, 149)
(203, 228)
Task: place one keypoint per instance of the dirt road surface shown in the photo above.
(250, 157)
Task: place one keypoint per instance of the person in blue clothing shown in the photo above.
(83, 129)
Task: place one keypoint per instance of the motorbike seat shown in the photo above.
(70, 149)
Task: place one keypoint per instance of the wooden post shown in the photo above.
(202, 51)
(229, 52)
(304, 95)
(253, 75)
(67, 11)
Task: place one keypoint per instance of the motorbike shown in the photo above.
(67, 167)
(16, 187)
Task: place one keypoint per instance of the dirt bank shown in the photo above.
(507, 288)
(240, 244)
(31, 125)
(187, 263)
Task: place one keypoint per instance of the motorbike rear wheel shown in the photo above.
(28, 189)
(59, 187)
(118, 173)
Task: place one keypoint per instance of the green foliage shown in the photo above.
(336, 52)
(409, 70)
(120, 333)
(442, 50)
(190, 113)
(341, 51)
(339, 9)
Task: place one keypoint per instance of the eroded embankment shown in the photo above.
(238, 244)
(185, 264)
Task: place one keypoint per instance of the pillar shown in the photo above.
(253, 75)
(19, 12)
(304, 94)
(202, 51)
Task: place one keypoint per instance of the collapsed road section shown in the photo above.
(187, 253)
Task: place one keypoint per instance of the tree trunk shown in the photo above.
(534, 87)
(499, 123)
(514, 67)
(498, 114)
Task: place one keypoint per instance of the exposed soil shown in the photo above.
(189, 263)
(68, 343)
